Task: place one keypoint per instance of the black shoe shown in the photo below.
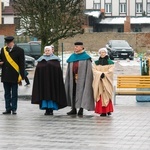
(72, 112)
(7, 112)
(27, 84)
(49, 112)
(109, 113)
(103, 115)
(14, 112)
(80, 112)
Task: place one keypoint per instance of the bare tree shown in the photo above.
(50, 20)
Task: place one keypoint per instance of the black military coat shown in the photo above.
(9, 74)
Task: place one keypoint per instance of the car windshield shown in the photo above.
(120, 44)
(25, 47)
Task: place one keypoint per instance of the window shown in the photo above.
(36, 48)
(2, 20)
(123, 8)
(108, 8)
(25, 47)
(120, 29)
(137, 29)
(17, 22)
(96, 5)
(139, 8)
(148, 8)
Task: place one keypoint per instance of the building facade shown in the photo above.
(7, 12)
(113, 15)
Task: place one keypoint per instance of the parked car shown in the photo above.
(29, 61)
(32, 49)
(120, 49)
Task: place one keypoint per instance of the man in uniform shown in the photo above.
(13, 66)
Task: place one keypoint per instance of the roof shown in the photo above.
(8, 10)
(95, 14)
(120, 20)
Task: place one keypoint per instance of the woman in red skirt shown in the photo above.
(103, 83)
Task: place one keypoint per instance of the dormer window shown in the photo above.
(139, 8)
(148, 8)
(108, 8)
(123, 8)
(96, 6)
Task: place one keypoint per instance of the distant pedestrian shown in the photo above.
(48, 86)
(26, 78)
(78, 82)
(53, 49)
(103, 83)
(12, 61)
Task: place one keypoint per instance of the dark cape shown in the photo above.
(48, 83)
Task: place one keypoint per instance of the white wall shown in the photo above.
(132, 7)
(115, 8)
(89, 4)
(8, 19)
(6, 2)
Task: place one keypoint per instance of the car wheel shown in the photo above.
(131, 58)
(112, 58)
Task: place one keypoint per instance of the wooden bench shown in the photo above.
(132, 85)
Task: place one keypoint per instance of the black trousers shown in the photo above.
(11, 96)
(27, 80)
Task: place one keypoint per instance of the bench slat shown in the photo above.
(133, 76)
(133, 80)
(127, 85)
(132, 92)
(133, 86)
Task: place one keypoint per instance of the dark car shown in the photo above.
(32, 49)
(119, 49)
(29, 61)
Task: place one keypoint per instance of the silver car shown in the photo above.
(29, 61)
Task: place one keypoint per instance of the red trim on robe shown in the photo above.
(101, 109)
(75, 67)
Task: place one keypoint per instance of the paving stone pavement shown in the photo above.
(127, 128)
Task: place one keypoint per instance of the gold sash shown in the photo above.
(12, 63)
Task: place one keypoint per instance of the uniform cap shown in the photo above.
(9, 39)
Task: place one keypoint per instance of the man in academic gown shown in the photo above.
(78, 82)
